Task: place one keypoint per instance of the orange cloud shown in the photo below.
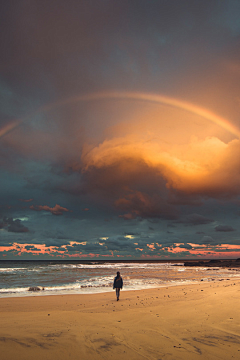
(208, 251)
(147, 179)
(152, 158)
(56, 210)
(208, 166)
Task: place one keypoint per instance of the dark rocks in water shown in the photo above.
(34, 288)
(214, 263)
(194, 263)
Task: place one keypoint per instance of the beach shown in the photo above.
(194, 321)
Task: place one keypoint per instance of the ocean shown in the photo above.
(81, 277)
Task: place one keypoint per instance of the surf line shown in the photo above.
(147, 97)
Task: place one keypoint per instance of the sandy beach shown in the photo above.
(200, 321)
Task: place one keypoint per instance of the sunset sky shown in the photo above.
(119, 129)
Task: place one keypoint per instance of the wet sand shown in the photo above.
(200, 321)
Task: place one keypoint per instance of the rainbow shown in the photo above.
(10, 126)
(158, 99)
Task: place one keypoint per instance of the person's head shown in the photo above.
(118, 274)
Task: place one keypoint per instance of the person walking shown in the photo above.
(118, 284)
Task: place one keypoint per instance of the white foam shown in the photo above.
(116, 265)
(8, 270)
(97, 284)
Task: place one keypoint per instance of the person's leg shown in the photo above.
(117, 293)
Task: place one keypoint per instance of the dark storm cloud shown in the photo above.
(186, 246)
(195, 219)
(31, 247)
(207, 240)
(120, 243)
(87, 43)
(14, 226)
(143, 206)
(126, 185)
(57, 235)
(224, 228)
(71, 154)
(53, 242)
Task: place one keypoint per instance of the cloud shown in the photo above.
(185, 246)
(207, 240)
(184, 168)
(14, 226)
(26, 200)
(56, 210)
(142, 205)
(31, 247)
(114, 243)
(87, 248)
(119, 158)
(150, 179)
(224, 228)
(195, 219)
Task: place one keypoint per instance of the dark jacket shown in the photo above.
(118, 282)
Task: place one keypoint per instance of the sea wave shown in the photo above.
(116, 265)
(95, 285)
(72, 278)
(9, 270)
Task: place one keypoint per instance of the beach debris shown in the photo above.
(34, 288)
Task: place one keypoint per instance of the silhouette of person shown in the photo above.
(118, 284)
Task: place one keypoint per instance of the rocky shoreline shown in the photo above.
(228, 263)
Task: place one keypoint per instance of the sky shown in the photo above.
(119, 129)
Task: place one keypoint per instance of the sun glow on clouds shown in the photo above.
(56, 210)
(201, 250)
(140, 166)
(129, 236)
(152, 250)
(36, 249)
(192, 167)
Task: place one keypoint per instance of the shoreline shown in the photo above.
(89, 291)
(192, 321)
(17, 279)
